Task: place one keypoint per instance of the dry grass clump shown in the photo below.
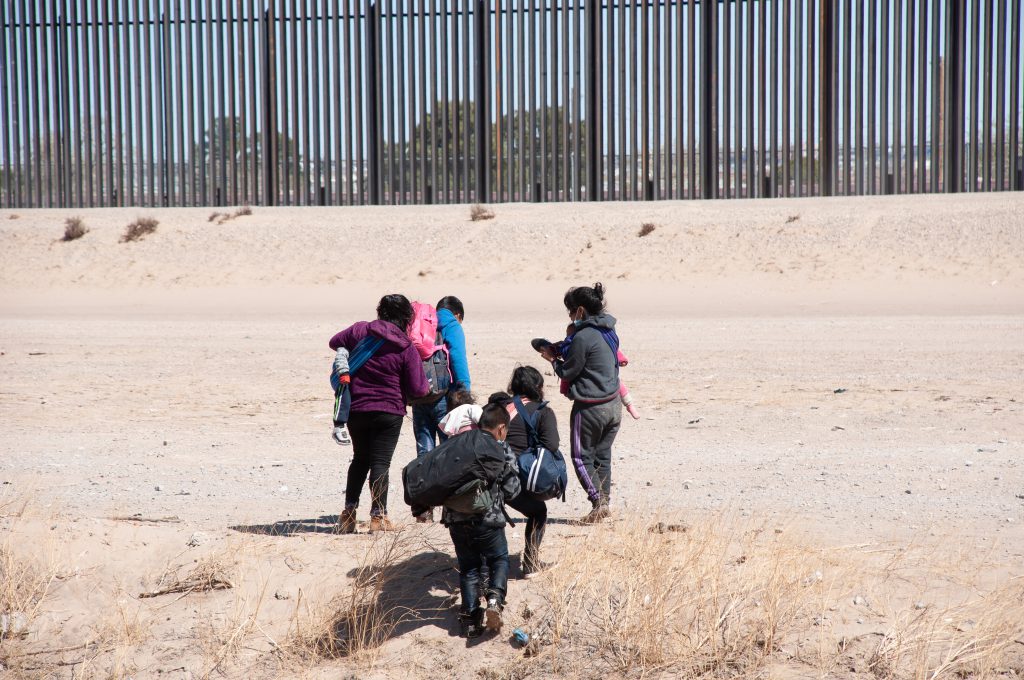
(211, 573)
(24, 584)
(480, 212)
(639, 597)
(74, 229)
(695, 602)
(646, 228)
(358, 622)
(138, 229)
(970, 640)
(221, 218)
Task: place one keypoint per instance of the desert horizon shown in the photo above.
(826, 478)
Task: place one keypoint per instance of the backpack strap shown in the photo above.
(530, 420)
(365, 349)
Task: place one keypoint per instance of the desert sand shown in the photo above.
(841, 375)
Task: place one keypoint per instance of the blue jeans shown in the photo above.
(476, 546)
(425, 418)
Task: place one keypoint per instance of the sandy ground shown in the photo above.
(848, 371)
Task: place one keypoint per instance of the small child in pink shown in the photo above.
(563, 387)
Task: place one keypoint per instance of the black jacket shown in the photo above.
(507, 487)
(547, 429)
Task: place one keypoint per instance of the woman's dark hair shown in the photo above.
(452, 304)
(500, 398)
(527, 382)
(397, 309)
(591, 299)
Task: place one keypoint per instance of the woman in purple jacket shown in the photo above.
(380, 391)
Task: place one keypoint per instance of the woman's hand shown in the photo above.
(548, 352)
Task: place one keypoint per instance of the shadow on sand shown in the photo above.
(327, 524)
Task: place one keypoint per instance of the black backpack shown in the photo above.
(459, 473)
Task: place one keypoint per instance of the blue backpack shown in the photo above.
(541, 472)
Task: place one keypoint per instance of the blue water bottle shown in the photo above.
(521, 636)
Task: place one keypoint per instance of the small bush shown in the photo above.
(792, 218)
(74, 229)
(645, 229)
(141, 227)
(12, 216)
(244, 210)
(479, 212)
(213, 216)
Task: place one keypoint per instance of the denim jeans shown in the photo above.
(475, 547)
(425, 418)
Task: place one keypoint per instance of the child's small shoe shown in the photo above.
(340, 436)
(540, 343)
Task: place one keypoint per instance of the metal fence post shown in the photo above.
(708, 164)
(952, 116)
(480, 67)
(593, 36)
(373, 112)
(826, 103)
(269, 157)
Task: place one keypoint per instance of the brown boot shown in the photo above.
(599, 513)
(347, 521)
(381, 523)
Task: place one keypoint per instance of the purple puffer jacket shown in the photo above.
(391, 376)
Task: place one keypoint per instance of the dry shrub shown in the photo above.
(973, 639)
(24, 580)
(74, 229)
(141, 227)
(222, 218)
(24, 583)
(645, 229)
(211, 573)
(110, 651)
(637, 599)
(12, 216)
(358, 622)
(480, 212)
(224, 636)
(792, 218)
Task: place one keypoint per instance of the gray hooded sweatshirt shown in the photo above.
(590, 366)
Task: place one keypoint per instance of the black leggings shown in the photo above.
(536, 513)
(374, 438)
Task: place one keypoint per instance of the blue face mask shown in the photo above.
(578, 322)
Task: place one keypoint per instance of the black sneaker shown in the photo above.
(471, 625)
(540, 343)
(492, 616)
